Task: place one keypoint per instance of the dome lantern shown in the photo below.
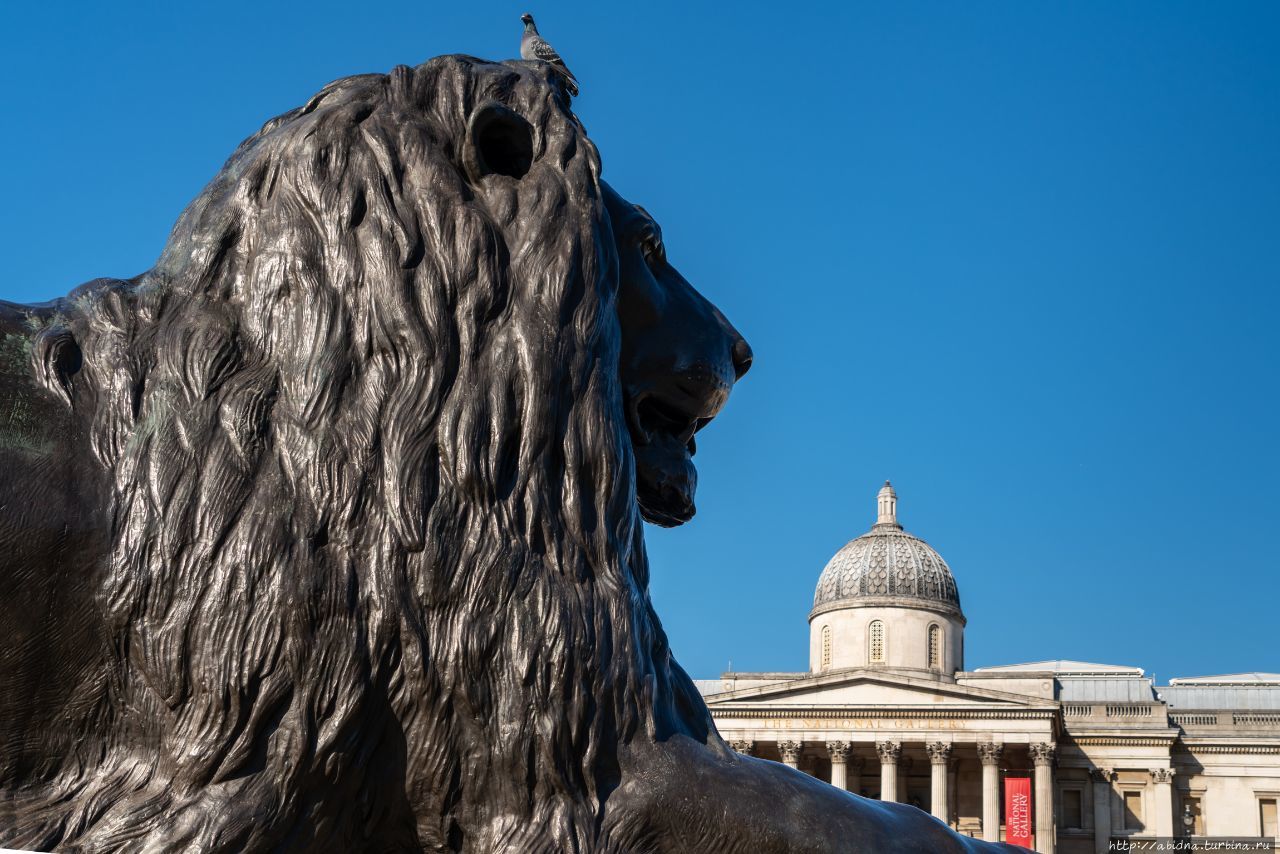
(887, 506)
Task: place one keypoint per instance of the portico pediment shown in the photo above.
(865, 687)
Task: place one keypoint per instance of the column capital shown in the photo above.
(989, 752)
(742, 745)
(1102, 775)
(839, 751)
(889, 752)
(790, 750)
(1042, 753)
(939, 752)
(1163, 775)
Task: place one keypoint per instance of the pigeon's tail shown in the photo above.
(570, 83)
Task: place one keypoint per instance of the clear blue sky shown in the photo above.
(1021, 258)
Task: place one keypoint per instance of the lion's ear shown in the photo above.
(499, 142)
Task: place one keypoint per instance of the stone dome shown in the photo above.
(887, 563)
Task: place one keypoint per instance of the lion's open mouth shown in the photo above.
(662, 427)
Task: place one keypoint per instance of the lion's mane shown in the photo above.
(377, 578)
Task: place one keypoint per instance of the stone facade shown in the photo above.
(889, 712)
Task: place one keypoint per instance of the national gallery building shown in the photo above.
(888, 711)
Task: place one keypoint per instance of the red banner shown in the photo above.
(1017, 811)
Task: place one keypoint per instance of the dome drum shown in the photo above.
(893, 637)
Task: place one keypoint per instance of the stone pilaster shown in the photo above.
(989, 755)
(839, 753)
(790, 751)
(939, 758)
(1101, 781)
(1162, 778)
(889, 752)
(1042, 755)
(743, 746)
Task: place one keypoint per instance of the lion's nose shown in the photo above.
(742, 357)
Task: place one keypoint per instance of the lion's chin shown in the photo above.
(665, 481)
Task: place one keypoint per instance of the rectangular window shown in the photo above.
(1267, 812)
(1133, 810)
(1072, 808)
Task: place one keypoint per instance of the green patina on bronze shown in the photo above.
(20, 428)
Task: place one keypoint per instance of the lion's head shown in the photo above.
(369, 448)
(680, 358)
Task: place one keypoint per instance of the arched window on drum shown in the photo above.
(935, 646)
(826, 647)
(875, 642)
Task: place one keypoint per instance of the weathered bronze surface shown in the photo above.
(325, 533)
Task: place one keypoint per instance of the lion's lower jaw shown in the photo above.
(666, 481)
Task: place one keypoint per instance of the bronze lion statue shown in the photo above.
(325, 534)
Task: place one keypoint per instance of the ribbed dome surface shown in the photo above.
(887, 561)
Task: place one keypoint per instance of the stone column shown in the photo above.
(939, 756)
(1163, 779)
(989, 755)
(1102, 778)
(1042, 755)
(743, 746)
(790, 751)
(839, 753)
(889, 752)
